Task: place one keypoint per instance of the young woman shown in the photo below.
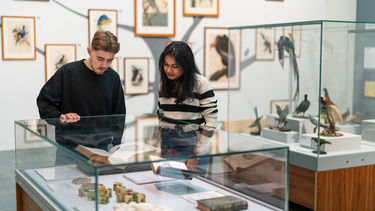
(187, 104)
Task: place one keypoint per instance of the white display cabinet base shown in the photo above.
(368, 130)
(299, 125)
(338, 143)
(285, 137)
(349, 128)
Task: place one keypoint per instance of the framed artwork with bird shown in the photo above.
(18, 38)
(56, 55)
(222, 57)
(115, 64)
(265, 43)
(136, 75)
(294, 34)
(208, 8)
(100, 19)
(155, 18)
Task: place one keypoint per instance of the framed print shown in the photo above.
(115, 65)
(56, 55)
(265, 44)
(18, 38)
(147, 130)
(31, 137)
(208, 8)
(294, 34)
(136, 75)
(222, 64)
(105, 20)
(155, 18)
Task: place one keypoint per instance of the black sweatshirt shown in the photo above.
(76, 89)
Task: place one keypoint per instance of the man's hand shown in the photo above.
(192, 164)
(69, 118)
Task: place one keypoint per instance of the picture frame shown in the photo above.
(155, 18)
(282, 103)
(18, 38)
(115, 64)
(265, 43)
(207, 8)
(56, 55)
(293, 33)
(147, 130)
(102, 19)
(31, 137)
(136, 75)
(216, 62)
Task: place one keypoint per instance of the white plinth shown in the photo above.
(295, 124)
(349, 128)
(368, 130)
(348, 141)
(285, 137)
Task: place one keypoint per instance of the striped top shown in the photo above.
(201, 110)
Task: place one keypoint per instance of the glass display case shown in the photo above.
(117, 162)
(309, 85)
(312, 83)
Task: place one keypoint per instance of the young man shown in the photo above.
(86, 87)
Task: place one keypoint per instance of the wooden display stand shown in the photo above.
(24, 201)
(342, 189)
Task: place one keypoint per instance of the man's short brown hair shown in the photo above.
(106, 41)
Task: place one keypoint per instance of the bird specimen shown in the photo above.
(266, 43)
(284, 43)
(103, 20)
(345, 115)
(330, 110)
(325, 90)
(256, 123)
(354, 118)
(314, 121)
(20, 35)
(321, 143)
(223, 45)
(281, 120)
(302, 107)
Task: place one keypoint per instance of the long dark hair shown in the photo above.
(182, 87)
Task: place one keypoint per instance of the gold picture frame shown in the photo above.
(56, 55)
(207, 8)
(155, 18)
(18, 38)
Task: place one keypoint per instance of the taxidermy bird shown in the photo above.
(345, 114)
(354, 118)
(325, 90)
(221, 45)
(19, 35)
(314, 121)
(103, 20)
(286, 44)
(256, 122)
(332, 112)
(282, 116)
(266, 43)
(321, 142)
(303, 106)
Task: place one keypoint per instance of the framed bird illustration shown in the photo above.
(265, 44)
(18, 38)
(136, 75)
(208, 8)
(100, 19)
(222, 57)
(56, 55)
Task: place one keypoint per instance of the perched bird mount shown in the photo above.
(281, 120)
(284, 43)
(320, 144)
(256, 123)
(330, 110)
(314, 121)
(302, 108)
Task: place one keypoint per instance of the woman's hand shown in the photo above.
(192, 164)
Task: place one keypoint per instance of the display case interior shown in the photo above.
(114, 162)
(306, 83)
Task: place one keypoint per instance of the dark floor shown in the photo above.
(7, 184)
